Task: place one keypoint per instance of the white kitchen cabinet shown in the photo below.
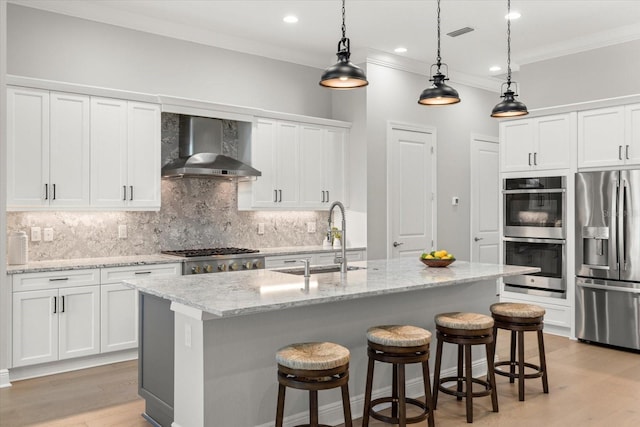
(125, 154)
(542, 143)
(119, 303)
(325, 258)
(315, 258)
(278, 261)
(632, 134)
(601, 140)
(48, 150)
(55, 324)
(322, 155)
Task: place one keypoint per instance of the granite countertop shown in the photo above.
(123, 261)
(254, 291)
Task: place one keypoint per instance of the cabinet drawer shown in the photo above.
(55, 279)
(286, 260)
(118, 274)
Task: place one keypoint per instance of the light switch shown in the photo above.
(311, 227)
(48, 234)
(36, 234)
(122, 231)
(261, 228)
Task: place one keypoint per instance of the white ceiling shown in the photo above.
(547, 28)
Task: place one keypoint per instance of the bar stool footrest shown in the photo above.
(515, 375)
(463, 393)
(395, 420)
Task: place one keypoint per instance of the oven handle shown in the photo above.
(535, 191)
(528, 240)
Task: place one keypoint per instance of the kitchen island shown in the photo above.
(228, 327)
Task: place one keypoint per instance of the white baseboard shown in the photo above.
(4, 378)
(34, 371)
(333, 413)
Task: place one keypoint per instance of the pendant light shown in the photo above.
(344, 74)
(439, 93)
(509, 106)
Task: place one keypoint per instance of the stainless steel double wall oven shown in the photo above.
(535, 233)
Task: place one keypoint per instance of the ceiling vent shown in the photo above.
(460, 32)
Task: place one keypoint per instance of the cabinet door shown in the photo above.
(263, 158)
(79, 321)
(27, 147)
(312, 166)
(334, 161)
(554, 141)
(632, 135)
(143, 167)
(287, 176)
(601, 137)
(516, 145)
(35, 327)
(118, 318)
(69, 152)
(108, 152)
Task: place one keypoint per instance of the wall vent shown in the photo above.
(460, 32)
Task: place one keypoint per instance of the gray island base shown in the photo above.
(228, 327)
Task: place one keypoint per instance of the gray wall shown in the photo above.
(58, 47)
(603, 73)
(393, 95)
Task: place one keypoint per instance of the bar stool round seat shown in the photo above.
(399, 345)
(465, 330)
(520, 318)
(313, 366)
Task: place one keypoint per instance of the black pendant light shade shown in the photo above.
(439, 93)
(509, 106)
(344, 74)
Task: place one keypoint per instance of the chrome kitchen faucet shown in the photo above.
(343, 240)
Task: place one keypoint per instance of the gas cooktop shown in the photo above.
(191, 253)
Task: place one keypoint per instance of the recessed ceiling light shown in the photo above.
(290, 19)
(400, 50)
(495, 68)
(513, 15)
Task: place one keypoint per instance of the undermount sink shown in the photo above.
(315, 269)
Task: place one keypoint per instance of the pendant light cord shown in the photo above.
(344, 26)
(438, 59)
(508, 44)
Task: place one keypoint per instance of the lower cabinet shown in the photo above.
(118, 317)
(55, 324)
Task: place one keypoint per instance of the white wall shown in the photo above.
(602, 73)
(58, 47)
(393, 95)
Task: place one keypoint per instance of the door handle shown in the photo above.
(535, 159)
(124, 193)
(477, 239)
(54, 192)
(55, 305)
(626, 152)
(46, 191)
(619, 152)
(131, 195)
(396, 244)
(275, 196)
(529, 159)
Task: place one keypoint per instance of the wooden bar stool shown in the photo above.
(313, 366)
(465, 330)
(519, 318)
(399, 345)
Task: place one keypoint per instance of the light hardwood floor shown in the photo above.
(589, 386)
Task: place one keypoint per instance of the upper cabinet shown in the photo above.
(302, 166)
(609, 137)
(48, 149)
(542, 143)
(125, 154)
(68, 151)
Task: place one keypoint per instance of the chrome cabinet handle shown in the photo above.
(626, 152)
(619, 152)
(124, 193)
(477, 239)
(396, 244)
(275, 196)
(46, 191)
(322, 195)
(535, 159)
(529, 159)
(131, 195)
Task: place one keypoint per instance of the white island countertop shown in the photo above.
(246, 292)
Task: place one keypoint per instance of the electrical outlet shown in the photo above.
(261, 228)
(311, 227)
(455, 201)
(122, 231)
(48, 234)
(36, 234)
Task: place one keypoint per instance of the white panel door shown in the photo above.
(108, 152)
(601, 137)
(35, 327)
(411, 192)
(287, 164)
(27, 159)
(554, 135)
(79, 321)
(118, 317)
(69, 150)
(263, 158)
(313, 166)
(143, 166)
(485, 198)
(516, 140)
(632, 135)
(335, 152)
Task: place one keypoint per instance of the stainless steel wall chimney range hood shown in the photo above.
(200, 148)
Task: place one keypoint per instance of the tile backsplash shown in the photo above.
(195, 213)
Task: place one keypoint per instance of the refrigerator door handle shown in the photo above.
(608, 288)
(623, 224)
(614, 255)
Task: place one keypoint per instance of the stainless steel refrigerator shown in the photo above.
(608, 257)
